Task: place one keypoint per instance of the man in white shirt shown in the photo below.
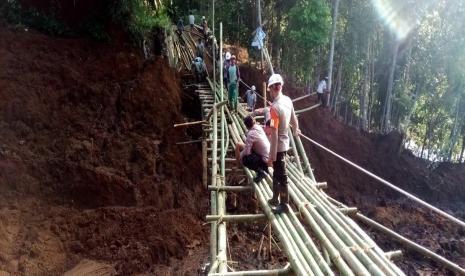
(254, 153)
(282, 117)
(322, 88)
(251, 98)
(191, 20)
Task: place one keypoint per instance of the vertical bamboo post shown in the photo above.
(204, 162)
(264, 95)
(222, 244)
(214, 171)
(213, 43)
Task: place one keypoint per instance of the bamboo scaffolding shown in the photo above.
(361, 249)
(348, 247)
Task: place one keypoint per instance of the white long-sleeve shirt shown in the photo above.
(282, 115)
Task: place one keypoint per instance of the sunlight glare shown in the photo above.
(394, 17)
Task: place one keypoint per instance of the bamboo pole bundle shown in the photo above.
(361, 250)
(372, 250)
(299, 239)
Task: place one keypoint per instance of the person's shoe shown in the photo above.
(260, 175)
(281, 208)
(274, 201)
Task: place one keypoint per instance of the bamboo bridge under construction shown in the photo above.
(319, 235)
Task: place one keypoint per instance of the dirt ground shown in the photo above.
(86, 127)
(91, 177)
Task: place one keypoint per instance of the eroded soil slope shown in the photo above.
(89, 167)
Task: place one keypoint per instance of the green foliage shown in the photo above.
(308, 27)
(138, 18)
(309, 24)
(12, 13)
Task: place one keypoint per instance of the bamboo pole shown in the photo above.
(231, 188)
(281, 271)
(361, 250)
(237, 218)
(222, 235)
(214, 170)
(302, 152)
(294, 151)
(411, 245)
(308, 108)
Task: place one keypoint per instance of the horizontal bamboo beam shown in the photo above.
(348, 210)
(308, 108)
(190, 123)
(280, 271)
(302, 97)
(230, 188)
(321, 185)
(410, 244)
(393, 255)
(236, 218)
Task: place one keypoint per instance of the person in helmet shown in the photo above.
(233, 76)
(200, 48)
(204, 26)
(251, 98)
(199, 68)
(282, 117)
(227, 59)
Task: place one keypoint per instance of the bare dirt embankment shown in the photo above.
(89, 168)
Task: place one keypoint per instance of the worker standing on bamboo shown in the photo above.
(180, 26)
(227, 60)
(199, 69)
(320, 91)
(282, 116)
(200, 48)
(191, 20)
(233, 76)
(251, 98)
(204, 26)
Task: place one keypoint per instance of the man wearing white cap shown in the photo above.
(282, 116)
(251, 98)
(233, 76)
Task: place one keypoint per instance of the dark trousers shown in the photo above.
(321, 98)
(254, 162)
(279, 168)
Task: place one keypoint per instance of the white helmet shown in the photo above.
(253, 87)
(275, 78)
(227, 56)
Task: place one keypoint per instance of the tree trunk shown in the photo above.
(337, 93)
(331, 51)
(454, 132)
(463, 149)
(277, 37)
(364, 90)
(386, 119)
